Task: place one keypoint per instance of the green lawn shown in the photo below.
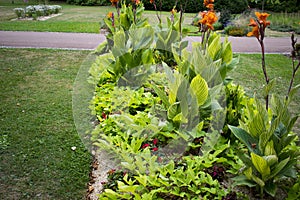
(81, 19)
(36, 126)
(249, 75)
(86, 19)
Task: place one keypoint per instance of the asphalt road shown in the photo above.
(18, 39)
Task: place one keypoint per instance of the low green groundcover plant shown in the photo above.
(173, 119)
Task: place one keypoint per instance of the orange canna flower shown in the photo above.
(137, 2)
(252, 22)
(208, 19)
(262, 18)
(210, 6)
(114, 2)
(110, 15)
(254, 32)
(206, 2)
(152, 1)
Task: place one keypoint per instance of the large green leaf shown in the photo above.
(261, 165)
(257, 126)
(124, 21)
(147, 56)
(173, 110)
(271, 159)
(271, 188)
(243, 180)
(227, 52)
(214, 47)
(200, 89)
(119, 47)
(141, 38)
(162, 95)
(279, 167)
(198, 59)
(246, 138)
(268, 87)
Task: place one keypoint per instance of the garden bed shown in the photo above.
(176, 126)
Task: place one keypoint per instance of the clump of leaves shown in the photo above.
(270, 141)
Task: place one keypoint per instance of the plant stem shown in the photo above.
(263, 64)
(156, 11)
(293, 77)
(180, 21)
(295, 69)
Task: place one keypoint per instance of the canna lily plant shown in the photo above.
(259, 26)
(208, 19)
(271, 157)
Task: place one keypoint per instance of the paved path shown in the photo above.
(18, 39)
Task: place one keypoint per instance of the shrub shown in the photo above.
(20, 12)
(218, 26)
(281, 28)
(236, 30)
(37, 11)
(225, 17)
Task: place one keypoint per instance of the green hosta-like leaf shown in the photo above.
(260, 182)
(271, 159)
(124, 21)
(227, 52)
(173, 110)
(248, 173)
(279, 167)
(200, 89)
(292, 93)
(198, 59)
(180, 118)
(267, 88)
(257, 126)
(119, 47)
(261, 165)
(271, 188)
(147, 56)
(141, 38)
(243, 180)
(162, 95)
(214, 47)
(269, 150)
(246, 138)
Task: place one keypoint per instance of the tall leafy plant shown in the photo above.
(269, 139)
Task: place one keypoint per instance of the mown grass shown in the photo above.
(36, 126)
(279, 67)
(87, 19)
(81, 19)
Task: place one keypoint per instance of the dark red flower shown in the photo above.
(155, 149)
(145, 145)
(104, 116)
(155, 141)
